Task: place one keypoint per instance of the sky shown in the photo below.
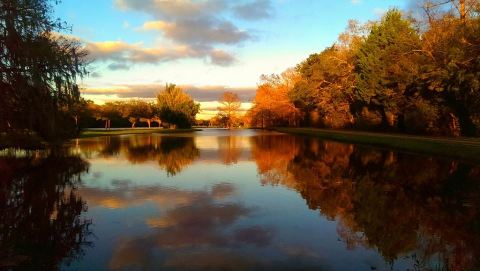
(206, 47)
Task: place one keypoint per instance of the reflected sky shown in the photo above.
(256, 200)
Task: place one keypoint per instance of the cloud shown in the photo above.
(95, 74)
(198, 26)
(123, 54)
(356, 2)
(174, 9)
(255, 10)
(213, 93)
(199, 93)
(118, 66)
(199, 31)
(221, 58)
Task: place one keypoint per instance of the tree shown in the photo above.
(176, 107)
(107, 112)
(451, 75)
(81, 112)
(272, 106)
(137, 110)
(435, 9)
(386, 66)
(329, 78)
(230, 105)
(38, 70)
(324, 93)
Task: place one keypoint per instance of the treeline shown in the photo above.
(400, 74)
(38, 71)
(173, 109)
(39, 94)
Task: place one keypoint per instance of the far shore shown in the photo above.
(463, 148)
(94, 132)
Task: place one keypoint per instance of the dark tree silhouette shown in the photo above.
(40, 211)
(38, 71)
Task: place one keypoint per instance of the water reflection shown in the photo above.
(244, 200)
(404, 206)
(40, 210)
(196, 229)
(229, 149)
(172, 154)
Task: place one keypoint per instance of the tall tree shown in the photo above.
(228, 110)
(451, 75)
(330, 76)
(177, 107)
(325, 90)
(435, 9)
(272, 105)
(386, 66)
(38, 70)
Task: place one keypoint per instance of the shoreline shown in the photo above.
(462, 148)
(129, 131)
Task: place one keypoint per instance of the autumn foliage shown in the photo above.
(272, 106)
(403, 73)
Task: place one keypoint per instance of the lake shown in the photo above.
(236, 200)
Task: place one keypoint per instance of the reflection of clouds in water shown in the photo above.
(222, 190)
(123, 195)
(96, 175)
(228, 260)
(212, 260)
(201, 220)
(255, 235)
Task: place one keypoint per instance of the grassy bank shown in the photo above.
(128, 131)
(463, 148)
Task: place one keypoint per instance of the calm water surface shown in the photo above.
(236, 200)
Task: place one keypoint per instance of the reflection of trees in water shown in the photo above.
(272, 158)
(40, 224)
(401, 204)
(111, 147)
(229, 149)
(173, 154)
(177, 153)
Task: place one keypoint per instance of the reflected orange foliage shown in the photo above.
(397, 203)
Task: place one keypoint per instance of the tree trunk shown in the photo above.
(467, 127)
(463, 13)
(133, 124)
(148, 121)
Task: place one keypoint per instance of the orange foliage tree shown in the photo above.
(272, 106)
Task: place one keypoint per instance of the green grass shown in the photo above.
(128, 131)
(463, 148)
